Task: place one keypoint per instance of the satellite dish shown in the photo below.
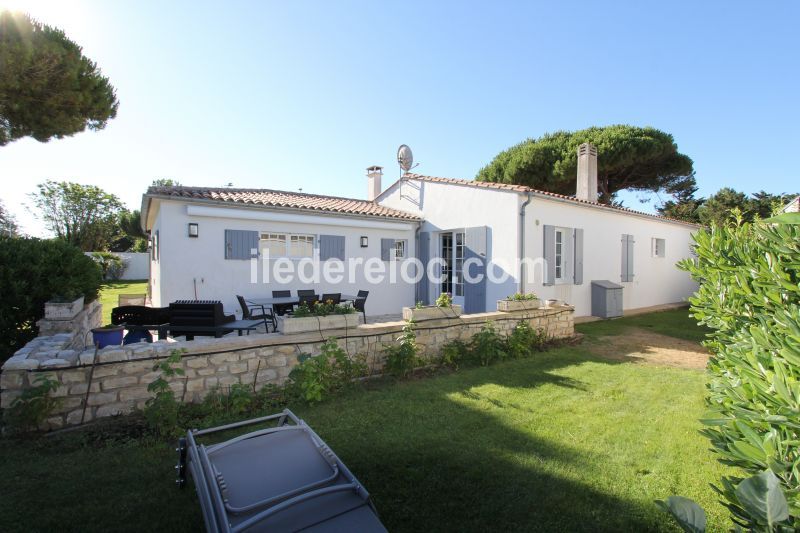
(405, 158)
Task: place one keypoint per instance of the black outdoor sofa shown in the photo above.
(183, 317)
(283, 478)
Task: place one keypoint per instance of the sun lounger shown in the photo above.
(283, 478)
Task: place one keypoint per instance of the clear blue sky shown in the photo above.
(298, 94)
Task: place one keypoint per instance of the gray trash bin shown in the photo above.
(283, 478)
(606, 299)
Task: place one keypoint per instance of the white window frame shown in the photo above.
(399, 250)
(287, 241)
(559, 242)
(658, 247)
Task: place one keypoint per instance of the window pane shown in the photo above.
(301, 246)
(273, 244)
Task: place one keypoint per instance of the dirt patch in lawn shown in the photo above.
(642, 346)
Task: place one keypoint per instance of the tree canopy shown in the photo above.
(629, 158)
(48, 88)
(8, 224)
(83, 215)
(720, 207)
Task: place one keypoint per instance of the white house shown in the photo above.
(479, 241)
(204, 241)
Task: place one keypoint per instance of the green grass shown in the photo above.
(560, 442)
(674, 323)
(110, 291)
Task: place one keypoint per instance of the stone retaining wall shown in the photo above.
(120, 375)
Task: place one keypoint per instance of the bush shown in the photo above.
(32, 271)
(111, 265)
(750, 296)
(486, 346)
(161, 411)
(524, 340)
(318, 377)
(401, 358)
(29, 410)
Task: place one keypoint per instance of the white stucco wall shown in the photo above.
(656, 280)
(447, 207)
(196, 267)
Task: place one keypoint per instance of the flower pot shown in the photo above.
(431, 312)
(54, 310)
(518, 305)
(319, 323)
(103, 337)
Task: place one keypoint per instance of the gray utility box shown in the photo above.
(606, 299)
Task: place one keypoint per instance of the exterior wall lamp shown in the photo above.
(194, 229)
(364, 242)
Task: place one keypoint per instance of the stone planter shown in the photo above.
(63, 310)
(507, 306)
(431, 312)
(319, 323)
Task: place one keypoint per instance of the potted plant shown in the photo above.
(519, 302)
(63, 306)
(320, 316)
(108, 335)
(444, 308)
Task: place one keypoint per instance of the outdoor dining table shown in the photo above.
(290, 300)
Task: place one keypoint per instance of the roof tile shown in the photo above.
(525, 189)
(285, 199)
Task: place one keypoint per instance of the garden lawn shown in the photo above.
(110, 291)
(563, 441)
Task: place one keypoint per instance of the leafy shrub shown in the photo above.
(486, 346)
(453, 353)
(401, 358)
(161, 411)
(524, 340)
(521, 297)
(444, 300)
(34, 271)
(316, 378)
(111, 265)
(33, 406)
(322, 309)
(749, 295)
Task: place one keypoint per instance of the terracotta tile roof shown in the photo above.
(536, 192)
(283, 199)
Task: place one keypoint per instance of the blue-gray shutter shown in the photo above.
(475, 245)
(239, 243)
(627, 258)
(387, 246)
(549, 255)
(331, 247)
(424, 256)
(578, 257)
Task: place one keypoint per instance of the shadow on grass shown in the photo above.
(434, 463)
(434, 454)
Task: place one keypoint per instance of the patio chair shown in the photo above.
(131, 299)
(252, 313)
(282, 309)
(361, 302)
(335, 297)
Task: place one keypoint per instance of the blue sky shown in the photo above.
(291, 95)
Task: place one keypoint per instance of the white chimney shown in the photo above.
(587, 173)
(374, 174)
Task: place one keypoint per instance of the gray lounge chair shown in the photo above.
(284, 478)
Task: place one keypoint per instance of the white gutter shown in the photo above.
(273, 216)
(522, 243)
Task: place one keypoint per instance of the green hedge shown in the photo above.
(32, 271)
(749, 294)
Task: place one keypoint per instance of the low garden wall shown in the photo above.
(114, 380)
